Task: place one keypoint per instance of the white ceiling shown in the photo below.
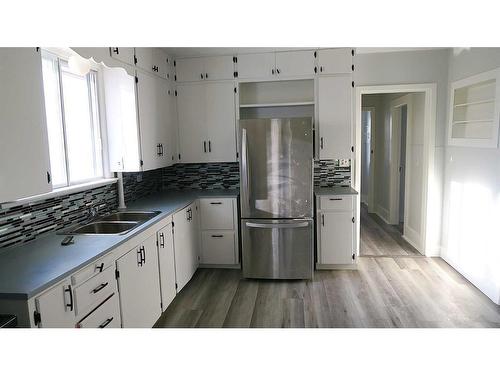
(214, 51)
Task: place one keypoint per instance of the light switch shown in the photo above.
(343, 162)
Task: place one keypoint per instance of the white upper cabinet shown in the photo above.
(123, 54)
(154, 61)
(144, 58)
(220, 122)
(189, 70)
(257, 65)
(335, 117)
(335, 61)
(207, 122)
(213, 68)
(295, 64)
(24, 151)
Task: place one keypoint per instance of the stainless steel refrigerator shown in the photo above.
(276, 197)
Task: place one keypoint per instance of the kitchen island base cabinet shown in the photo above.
(166, 261)
(186, 244)
(139, 285)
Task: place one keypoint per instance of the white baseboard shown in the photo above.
(383, 214)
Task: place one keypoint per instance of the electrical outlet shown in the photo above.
(343, 162)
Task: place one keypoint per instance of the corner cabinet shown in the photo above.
(186, 244)
(207, 122)
(336, 241)
(24, 151)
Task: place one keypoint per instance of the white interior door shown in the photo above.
(334, 114)
(295, 64)
(256, 65)
(220, 120)
(191, 115)
(337, 238)
(167, 265)
(56, 306)
(139, 286)
(24, 151)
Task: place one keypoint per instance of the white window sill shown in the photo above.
(61, 191)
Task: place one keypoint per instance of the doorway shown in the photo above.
(394, 130)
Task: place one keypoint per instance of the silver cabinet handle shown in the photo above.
(244, 166)
(277, 225)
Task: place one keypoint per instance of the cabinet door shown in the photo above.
(139, 285)
(164, 95)
(334, 115)
(216, 213)
(191, 115)
(218, 68)
(160, 60)
(123, 54)
(335, 61)
(24, 151)
(185, 245)
(336, 237)
(144, 56)
(220, 120)
(190, 70)
(56, 306)
(150, 104)
(295, 64)
(173, 140)
(121, 120)
(257, 65)
(167, 265)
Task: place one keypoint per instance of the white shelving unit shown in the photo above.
(474, 111)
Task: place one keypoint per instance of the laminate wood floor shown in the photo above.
(392, 287)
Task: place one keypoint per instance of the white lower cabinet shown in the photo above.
(139, 285)
(186, 244)
(56, 308)
(219, 234)
(107, 315)
(336, 232)
(166, 259)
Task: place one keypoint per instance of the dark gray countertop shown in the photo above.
(30, 268)
(335, 190)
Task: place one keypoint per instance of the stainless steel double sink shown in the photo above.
(117, 223)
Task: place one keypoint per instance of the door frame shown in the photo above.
(371, 187)
(429, 191)
(395, 153)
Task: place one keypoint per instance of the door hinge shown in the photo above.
(315, 54)
(175, 62)
(179, 156)
(352, 83)
(117, 274)
(136, 80)
(135, 59)
(142, 163)
(235, 74)
(235, 91)
(156, 243)
(353, 256)
(235, 59)
(175, 92)
(176, 286)
(175, 77)
(38, 49)
(173, 224)
(237, 155)
(48, 177)
(353, 219)
(352, 52)
(352, 148)
(352, 67)
(37, 318)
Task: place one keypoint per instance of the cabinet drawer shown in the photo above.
(336, 203)
(218, 247)
(217, 214)
(105, 316)
(93, 269)
(95, 290)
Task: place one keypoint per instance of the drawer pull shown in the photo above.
(100, 287)
(335, 199)
(106, 322)
(217, 235)
(215, 202)
(100, 267)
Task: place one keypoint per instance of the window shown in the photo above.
(72, 123)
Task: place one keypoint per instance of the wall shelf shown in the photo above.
(289, 104)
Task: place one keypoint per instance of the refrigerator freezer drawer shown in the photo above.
(277, 249)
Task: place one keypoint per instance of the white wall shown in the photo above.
(471, 220)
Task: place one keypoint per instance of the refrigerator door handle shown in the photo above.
(277, 225)
(244, 166)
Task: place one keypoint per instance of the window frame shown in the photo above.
(95, 113)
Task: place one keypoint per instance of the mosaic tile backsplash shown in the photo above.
(328, 173)
(202, 176)
(26, 222)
